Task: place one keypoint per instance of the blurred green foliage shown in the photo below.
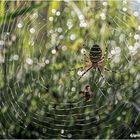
(40, 44)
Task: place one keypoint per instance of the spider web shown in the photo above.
(39, 100)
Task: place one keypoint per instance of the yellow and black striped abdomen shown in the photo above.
(95, 53)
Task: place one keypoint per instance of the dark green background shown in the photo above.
(39, 100)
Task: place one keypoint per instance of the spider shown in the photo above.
(95, 60)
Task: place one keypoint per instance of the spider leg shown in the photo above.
(103, 76)
(109, 70)
(114, 71)
(86, 60)
(85, 72)
(107, 52)
(72, 69)
(86, 55)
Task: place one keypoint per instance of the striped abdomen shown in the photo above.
(95, 53)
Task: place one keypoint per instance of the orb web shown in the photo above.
(38, 98)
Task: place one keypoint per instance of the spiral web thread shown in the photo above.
(51, 118)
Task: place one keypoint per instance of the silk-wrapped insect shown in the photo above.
(86, 93)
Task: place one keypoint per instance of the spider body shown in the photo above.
(96, 57)
(95, 54)
(95, 60)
